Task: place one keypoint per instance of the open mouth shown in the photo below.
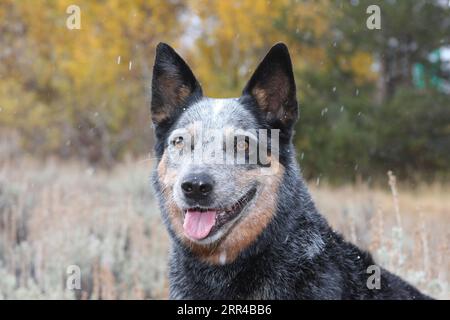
(200, 223)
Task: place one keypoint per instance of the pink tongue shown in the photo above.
(197, 224)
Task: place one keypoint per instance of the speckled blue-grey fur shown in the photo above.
(297, 255)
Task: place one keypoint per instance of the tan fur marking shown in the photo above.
(270, 98)
(244, 232)
(167, 178)
(260, 96)
(158, 117)
(176, 95)
(183, 93)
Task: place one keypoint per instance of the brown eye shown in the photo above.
(178, 142)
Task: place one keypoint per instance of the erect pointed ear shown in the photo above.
(272, 86)
(173, 84)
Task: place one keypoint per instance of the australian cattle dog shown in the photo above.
(241, 221)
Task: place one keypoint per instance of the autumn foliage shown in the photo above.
(85, 93)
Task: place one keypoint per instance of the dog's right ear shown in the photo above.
(173, 84)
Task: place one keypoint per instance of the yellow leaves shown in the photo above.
(236, 34)
(360, 65)
(108, 29)
(233, 36)
(63, 76)
(309, 15)
(19, 109)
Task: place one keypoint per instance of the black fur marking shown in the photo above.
(297, 256)
(273, 88)
(174, 86)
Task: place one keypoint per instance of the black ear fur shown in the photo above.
(173, 84)
(272, 85)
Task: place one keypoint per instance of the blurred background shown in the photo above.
(76, 137)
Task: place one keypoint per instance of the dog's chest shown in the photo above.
(195, 281)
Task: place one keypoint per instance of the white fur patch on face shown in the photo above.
(217, 113)
(223, 257)
(201, 121)
(217, 106)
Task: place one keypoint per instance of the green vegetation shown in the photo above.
(85, 93)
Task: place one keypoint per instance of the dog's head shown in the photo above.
(220, 161)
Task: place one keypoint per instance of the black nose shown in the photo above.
(197, 186)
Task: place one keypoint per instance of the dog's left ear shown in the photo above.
(173, 84)
(272, 86)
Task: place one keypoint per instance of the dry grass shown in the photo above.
(54, 215)
(406, 230)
